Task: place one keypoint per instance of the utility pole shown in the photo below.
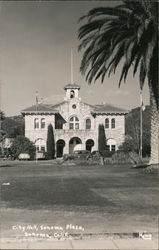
(141, 104)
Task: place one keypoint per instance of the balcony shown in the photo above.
(71, 132)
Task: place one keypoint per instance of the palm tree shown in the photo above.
(128, 34)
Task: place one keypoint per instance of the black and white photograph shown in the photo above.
(79, 124)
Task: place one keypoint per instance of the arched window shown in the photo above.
(106, 123)
(36, 123)
(88, 124)
(72, 94)
(113, 123)
(43, 123)
(40, 145)
(74, 123)
(111, 145)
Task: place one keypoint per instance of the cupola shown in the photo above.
(71, 91)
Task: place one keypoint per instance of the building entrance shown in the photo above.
(89, 144)
(72, 144)
(60, 144)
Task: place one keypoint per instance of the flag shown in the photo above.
(143, 106)
(141, 102)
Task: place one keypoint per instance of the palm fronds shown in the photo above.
(127, 33)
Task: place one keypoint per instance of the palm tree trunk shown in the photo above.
(154, 130)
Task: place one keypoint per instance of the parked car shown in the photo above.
(81, 154)
(24, 156)
(77, 154)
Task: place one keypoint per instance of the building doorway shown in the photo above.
(72, 144)
(89, 144)
(60, 144)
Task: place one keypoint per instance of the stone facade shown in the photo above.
(75, 123)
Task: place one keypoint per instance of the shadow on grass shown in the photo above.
(6, 166)
(33, 192)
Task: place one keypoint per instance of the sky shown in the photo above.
(36, 38)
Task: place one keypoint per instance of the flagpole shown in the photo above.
(36, 117)
(71, 66)
(141, 102)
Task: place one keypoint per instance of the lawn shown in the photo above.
(109, 199)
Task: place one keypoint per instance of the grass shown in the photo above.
(102, 198)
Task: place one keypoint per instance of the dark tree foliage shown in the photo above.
(50, 143)
(101, 138)
(13, 126)
(2, 132)
(2, 115)
(132, 129)
(128, 145)
(22, 144)
(127, 32)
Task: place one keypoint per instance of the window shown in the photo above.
(43, 123)
(106, 123)
(107, 147)
(43, 149)
(59, 124)
(74, 106)
(113, 148)
(111, 143)
(74, 123)
(37, 148)
(113, 122)
(88, 124)
(72, 94)
(36, 123)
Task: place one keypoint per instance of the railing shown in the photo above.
(73, 131)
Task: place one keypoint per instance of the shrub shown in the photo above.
(50, 143)
(22, 145)
(128, 145)
(101, 138)
(107, 153)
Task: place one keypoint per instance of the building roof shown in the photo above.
(55, 106)
(71, 86)
(54, 109)
(108, 109)
(40, 108)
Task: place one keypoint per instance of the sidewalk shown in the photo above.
(108, 244)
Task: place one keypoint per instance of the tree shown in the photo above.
(22, 144)
(128, 144)
(13, 126)
(101, 138)
(2, 133)
(50, 143)
(2, 118)
(127, 33)
(132, 129)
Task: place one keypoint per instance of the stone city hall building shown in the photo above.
(75, 124)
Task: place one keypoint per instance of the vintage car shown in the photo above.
(77, 154)
(24, 157)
